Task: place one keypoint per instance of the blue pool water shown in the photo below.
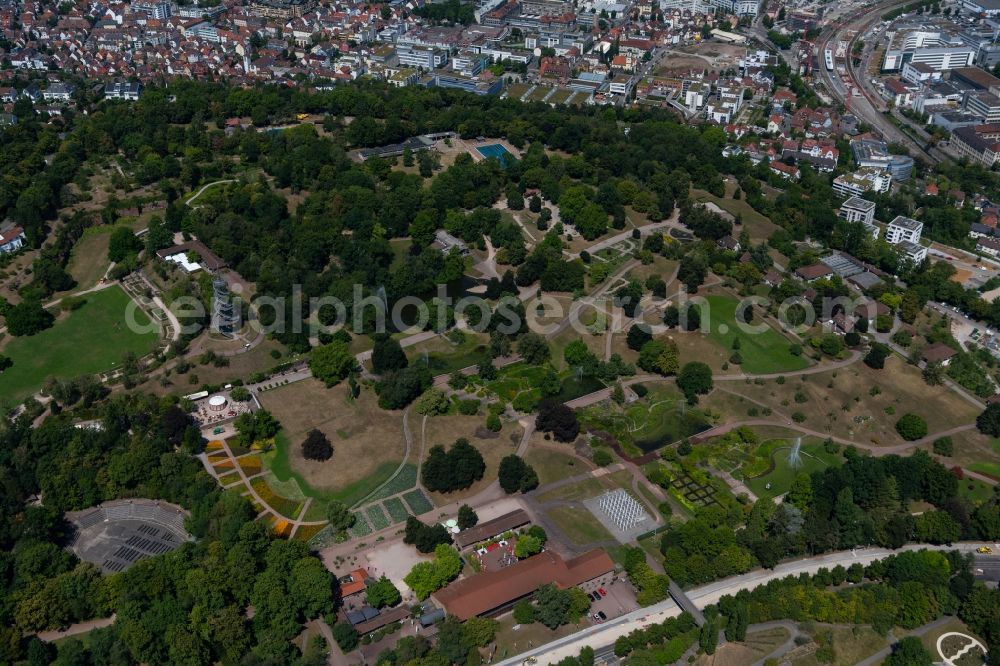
(496, 151)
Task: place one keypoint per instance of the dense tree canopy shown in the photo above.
(457, 468)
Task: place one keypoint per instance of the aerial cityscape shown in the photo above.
(464, 332)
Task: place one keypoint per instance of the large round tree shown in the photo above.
(694, 379)
(911, 427)
(316, 446)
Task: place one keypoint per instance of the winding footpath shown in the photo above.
(205, 187)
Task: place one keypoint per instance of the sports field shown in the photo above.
(763, 352)
(91, 339)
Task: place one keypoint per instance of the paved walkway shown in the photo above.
(75, 629)
(205, 187)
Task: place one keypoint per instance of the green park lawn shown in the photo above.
(974, 490)
(91, 339)
(660, 418)
(519, 384)
(578, 525)
(988, 468)
(442, 356)
(813, 458)
(763, 352)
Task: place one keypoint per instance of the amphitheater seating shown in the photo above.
(95, 517)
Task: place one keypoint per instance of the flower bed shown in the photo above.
(307, 532)
(281, 527)
(250, 465)
(223, 466)
(227, 479)
(281, 505)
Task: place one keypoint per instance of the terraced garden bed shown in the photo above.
(377, 517)
(223, 466)
(250, 465)
(283, 505)
(227, 479)
(361, 527)
(418, 502)
(404, 480)
(397, 512)
(307, 532)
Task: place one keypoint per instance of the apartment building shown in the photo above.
(861, 181)
(862, 211)
(904, 229)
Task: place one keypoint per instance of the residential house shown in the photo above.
(813, 272)
(11, 240)
(938, 353)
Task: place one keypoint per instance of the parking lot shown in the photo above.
(618, 600)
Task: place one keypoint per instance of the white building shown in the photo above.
(469, 63)
(904, 229)
(939, 50)
(862, 211)
(58, 92)
(912, 251)
(989, 8)
(989, 246)
(857, 209)
(154, 10)
(426, 57)
(123, 90)
(621, 85)
(863, 180)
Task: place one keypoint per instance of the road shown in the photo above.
(603, 635)
(867, 105)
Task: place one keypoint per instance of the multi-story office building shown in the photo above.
(876, 155)
(978, 143)
(939, 50)
(428, 57)
(982, 103)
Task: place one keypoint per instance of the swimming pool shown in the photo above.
(495, 151)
